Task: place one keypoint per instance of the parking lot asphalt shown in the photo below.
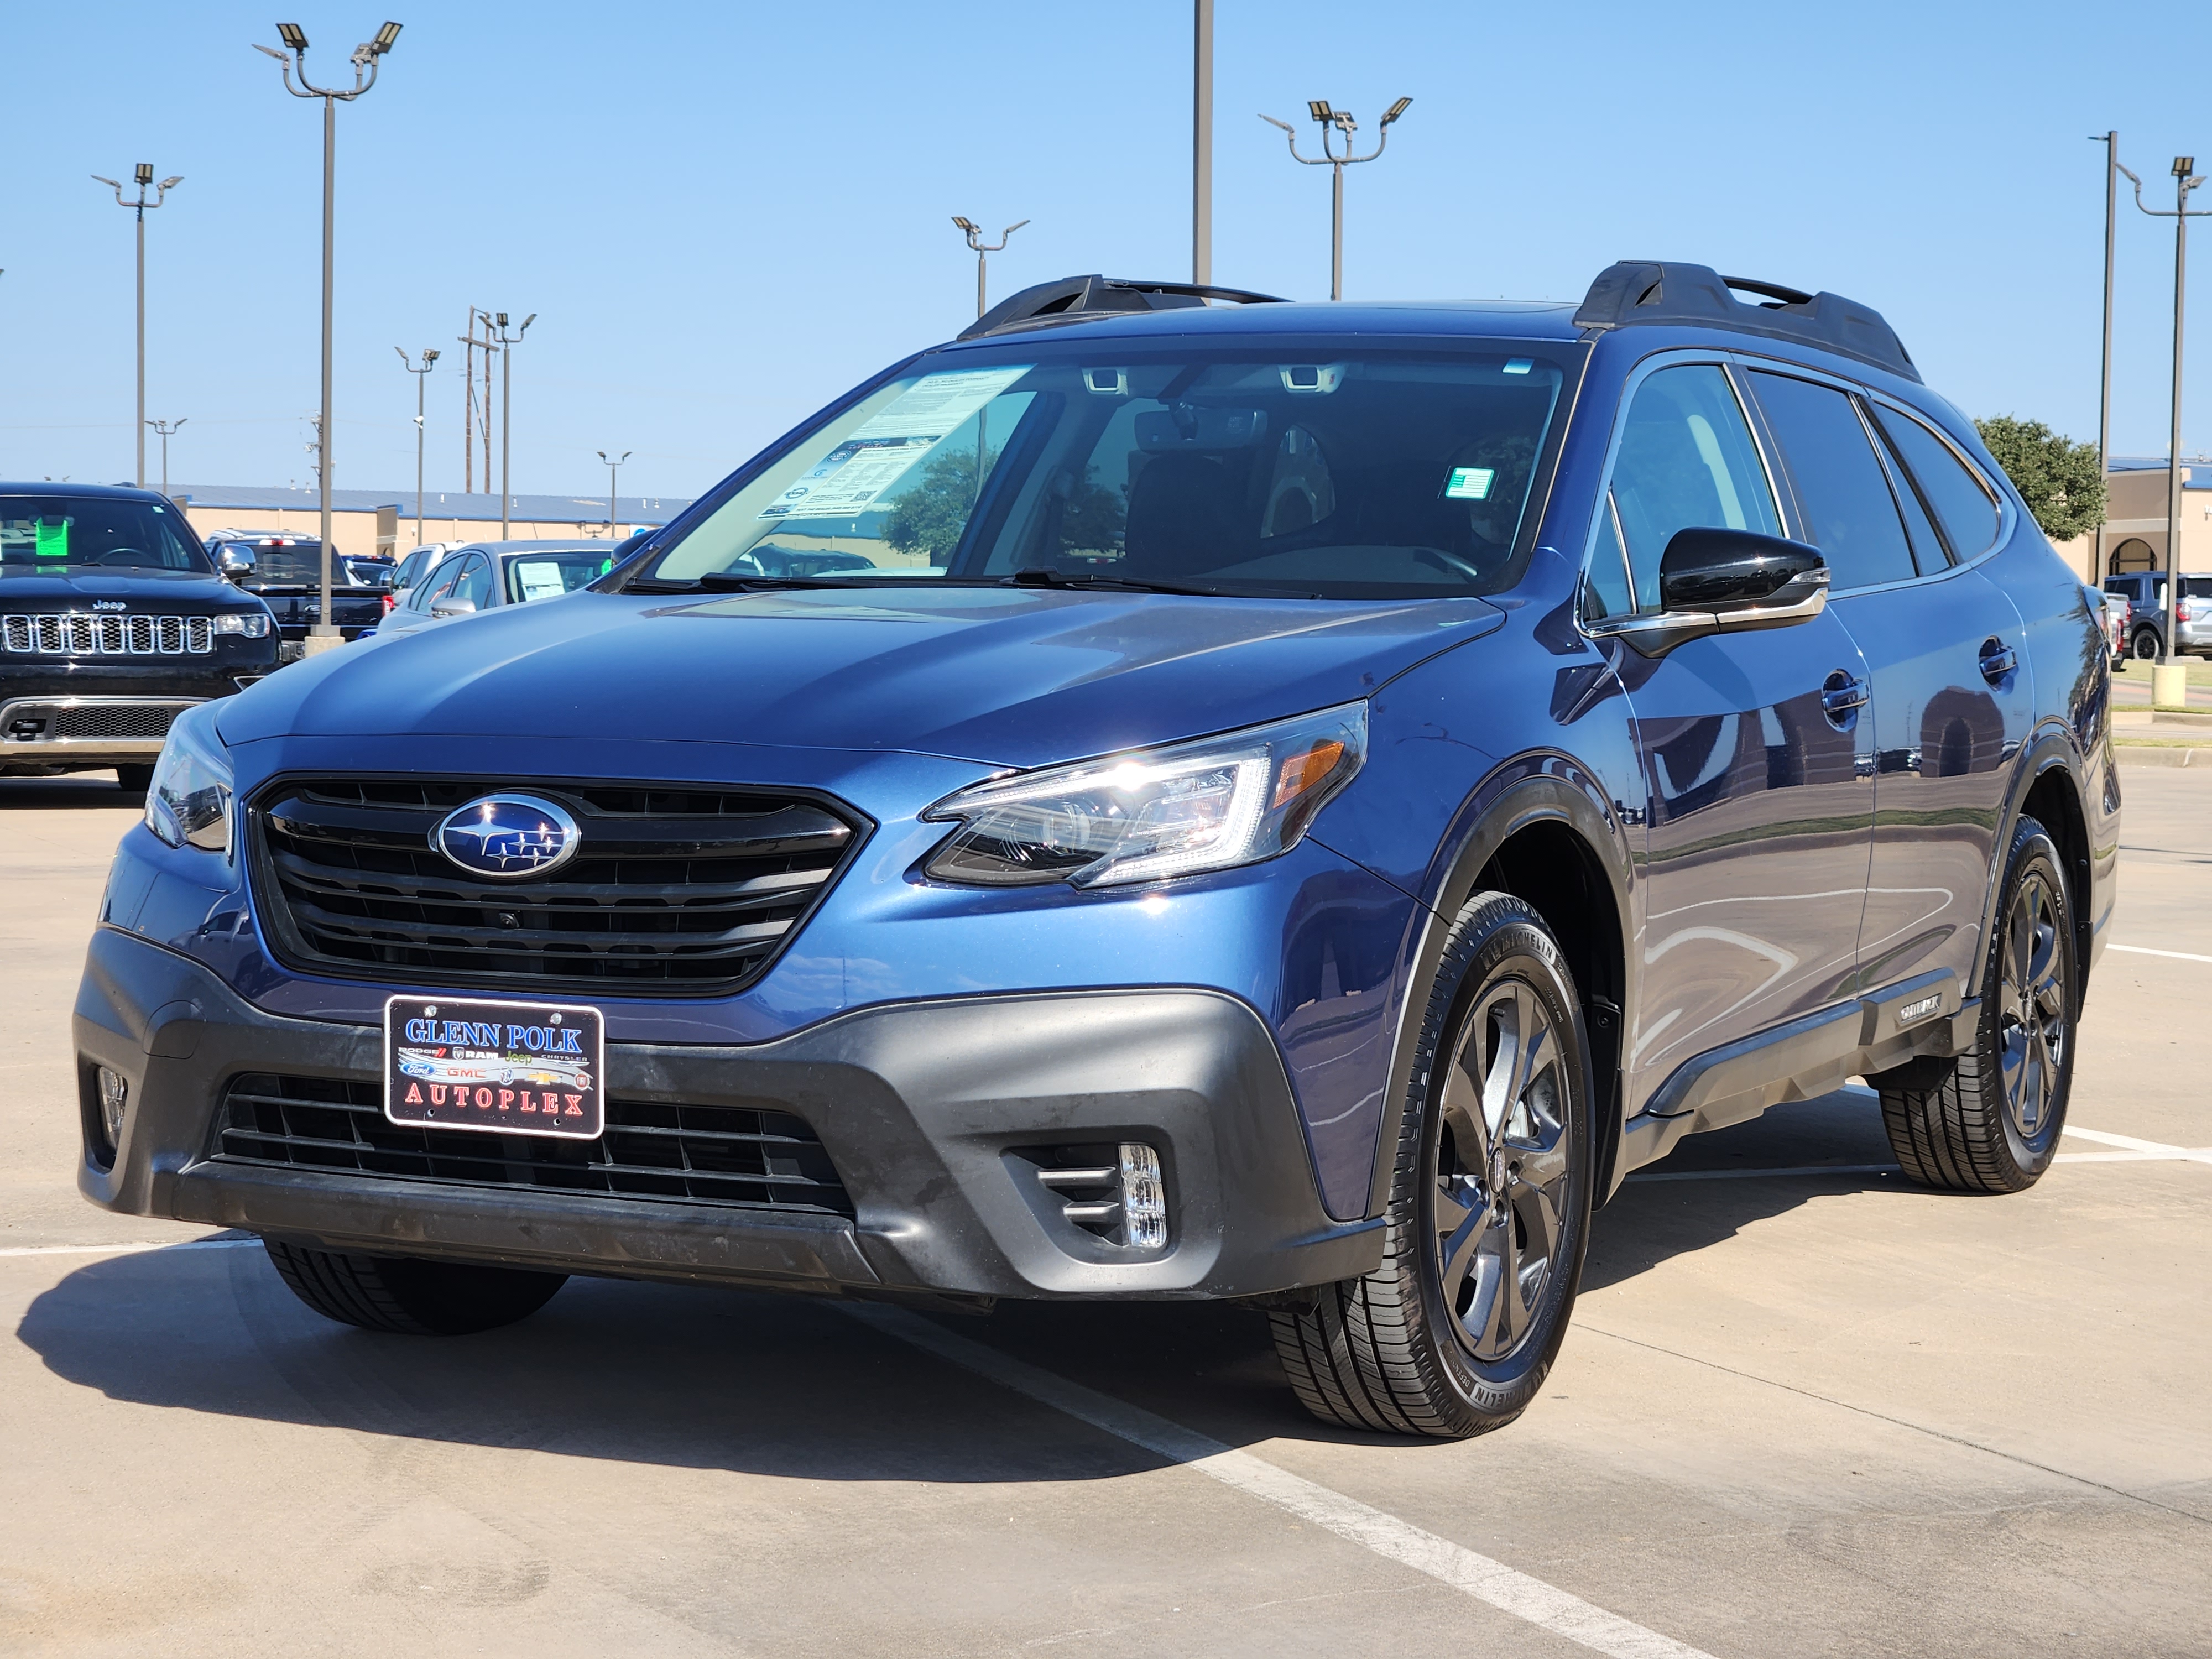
(1804, 1409)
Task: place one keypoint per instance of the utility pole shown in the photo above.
(366, 58)
(983, 251)
(472, 408)
(507, 345)
(142, 176)
(614, 465)
(421, 375)
(2169, 681)
(1338, 121)
(2111, 141)
(167, 429)
(1201, 146)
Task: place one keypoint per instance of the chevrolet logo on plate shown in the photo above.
(508, 837)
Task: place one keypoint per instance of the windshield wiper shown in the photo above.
(1039, 576)
(724, 581)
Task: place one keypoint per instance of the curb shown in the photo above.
(2128, 754)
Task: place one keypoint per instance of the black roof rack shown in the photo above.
(1655, 291)
(1076, 299)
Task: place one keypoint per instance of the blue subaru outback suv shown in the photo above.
(1281, 802)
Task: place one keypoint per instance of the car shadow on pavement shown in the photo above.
(790, 1384)
(75, 791)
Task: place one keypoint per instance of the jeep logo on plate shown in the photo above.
(507, 837)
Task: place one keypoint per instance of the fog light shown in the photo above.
(114, 1092)
(1144, 1198)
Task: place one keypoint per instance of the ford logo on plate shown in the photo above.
(507, 837)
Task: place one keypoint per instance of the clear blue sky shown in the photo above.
(724, 214)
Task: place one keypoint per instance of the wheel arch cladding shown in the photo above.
(1540, 828)
(2054, 800)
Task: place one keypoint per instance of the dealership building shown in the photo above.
(372, 521)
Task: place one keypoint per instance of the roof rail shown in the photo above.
(1655, 291)
(1076, 299)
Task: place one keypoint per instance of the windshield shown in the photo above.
(549, 576)
(63, 532)
(1334, 472)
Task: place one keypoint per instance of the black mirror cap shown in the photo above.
(1706, 568)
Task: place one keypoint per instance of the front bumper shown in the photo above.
(918, 1104)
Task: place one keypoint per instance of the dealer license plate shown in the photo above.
(510, 1068)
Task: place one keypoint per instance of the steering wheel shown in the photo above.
(1451, 562)
(107, 553)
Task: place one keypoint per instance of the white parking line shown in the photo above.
(1507, 1588)
(2133, 1151)
(2145, 950)
(124, 1250)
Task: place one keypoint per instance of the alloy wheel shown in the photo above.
(2032, 1007)
(1501, 1179)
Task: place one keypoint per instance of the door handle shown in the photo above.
(1842, 694)
(1999, 660)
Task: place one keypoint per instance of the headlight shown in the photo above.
(189, 800)
(1209, 804)
(254, 624)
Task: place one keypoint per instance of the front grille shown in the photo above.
(87, 633)
(675, 891)
(732, 1156)
(112, 720)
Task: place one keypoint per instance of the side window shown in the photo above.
(1687, 459)
(1852, 517)
(475, 584)
(1927, 542)
(1606, 593)
(427, 593)
(1961, 505)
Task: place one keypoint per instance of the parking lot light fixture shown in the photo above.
(1335, 122)
(142, 176)
(365, 59)
(614, 467)
(168, 430)
(2168, 680)
(974, 232)
(507, 342)
(429, 358)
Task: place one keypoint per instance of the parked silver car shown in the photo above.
(484, 575)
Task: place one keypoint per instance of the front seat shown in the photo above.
(1183, 517)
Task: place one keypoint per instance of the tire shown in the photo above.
(135, 780)
(2145, 645)
(1451, 1336)
(1990, 1121)
(408, 1296)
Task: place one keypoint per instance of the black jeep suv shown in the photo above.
(112, 620)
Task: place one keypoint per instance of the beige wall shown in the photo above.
(355, 532)
(2138, 507)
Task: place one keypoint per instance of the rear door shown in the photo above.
(1899, 517)
(1758, 802)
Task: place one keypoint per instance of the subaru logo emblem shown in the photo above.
(507, 837)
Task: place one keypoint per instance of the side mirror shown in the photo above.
(454, 607)
(1715, 580)
(236, 563)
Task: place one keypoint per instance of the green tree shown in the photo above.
(931, 513)
(2056, 477)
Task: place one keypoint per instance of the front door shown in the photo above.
(1757, 762)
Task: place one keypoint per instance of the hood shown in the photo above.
(183, 592)
(1007, 677)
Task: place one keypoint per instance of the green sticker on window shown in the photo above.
(52, 538)
(1469, 483)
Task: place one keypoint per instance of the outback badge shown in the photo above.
(508, 837)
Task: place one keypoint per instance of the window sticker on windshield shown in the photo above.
(848, 480)
(541, 581)
(1469, 483)
(52, 538)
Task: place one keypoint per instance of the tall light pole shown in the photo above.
(167, 429)
(2169, 681)
(614, 466)
(983, 249)
(1201, 145)
(365, 57)
(142, 176)
(506, 344)
(421, 375)
(2111, 141)
(1340, 122)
